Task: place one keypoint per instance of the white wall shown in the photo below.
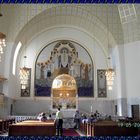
(5, 108)
(8, 88)
(132, 66)
(35, 106)
(127, 82)
(102, 105)
(31, 107)
(119, 86)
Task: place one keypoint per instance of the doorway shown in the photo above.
(135, 112)
(116, 110)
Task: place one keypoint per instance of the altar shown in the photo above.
(68, 123)
(64, 96)
(68, 117)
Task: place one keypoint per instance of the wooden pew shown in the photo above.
(89, 129)
(110, 128)
(33, 128)
(83, 127)
(1, 126)
(4, 124)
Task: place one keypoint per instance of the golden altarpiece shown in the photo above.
(64, 92)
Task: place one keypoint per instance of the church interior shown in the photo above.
(76, 57)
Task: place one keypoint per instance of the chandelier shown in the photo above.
(24, 74)
(109, 72)
(2, 43)
(110, 77)
(1, 99)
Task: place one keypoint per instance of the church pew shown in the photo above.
(4, 124)
(111, 128)
(83, 127)
(1, 126)
(89, 129)
(107, 128)
(33, 128)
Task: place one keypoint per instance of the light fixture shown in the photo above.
(0, 12)
(110, 71)
(2, 43)
(24, 74)
(1, 99)
(110, 77)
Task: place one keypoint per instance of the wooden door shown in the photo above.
(135, 111)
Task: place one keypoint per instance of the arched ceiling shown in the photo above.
(29, 20)
(95, 19)
(20, 15)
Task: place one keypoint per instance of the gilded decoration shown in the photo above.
(64, 91)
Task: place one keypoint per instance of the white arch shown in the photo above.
(45, 21)
(48, 19)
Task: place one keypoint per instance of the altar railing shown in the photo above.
(22, 118)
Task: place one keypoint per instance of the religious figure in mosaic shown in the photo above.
(65, 59)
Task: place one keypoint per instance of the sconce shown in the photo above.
(110, 78)
(2, 43)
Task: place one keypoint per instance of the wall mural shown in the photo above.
(64, 57)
